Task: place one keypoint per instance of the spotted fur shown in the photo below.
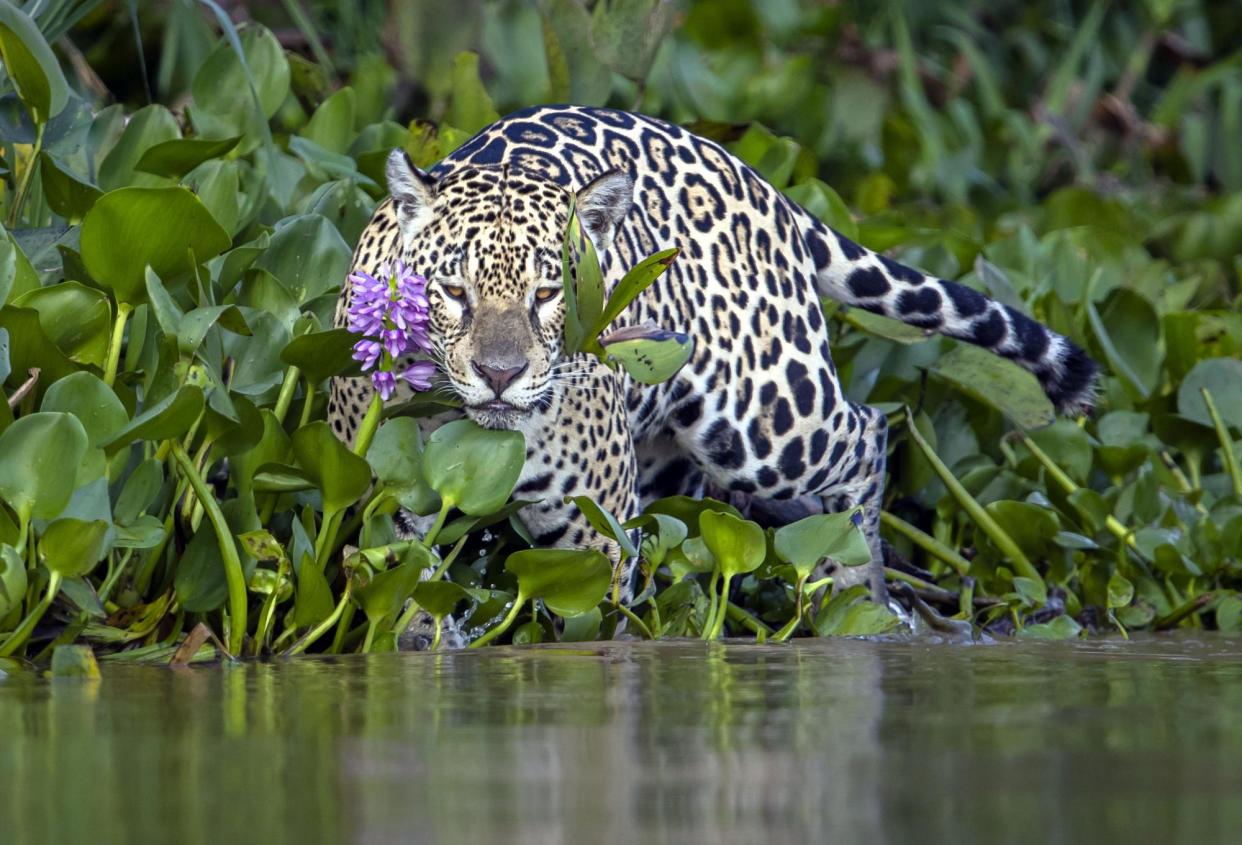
(758, 410)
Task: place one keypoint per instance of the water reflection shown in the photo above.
(683, 742)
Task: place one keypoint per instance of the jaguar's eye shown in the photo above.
(454, 292)
(545, 294)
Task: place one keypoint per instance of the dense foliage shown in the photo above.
(168, 274)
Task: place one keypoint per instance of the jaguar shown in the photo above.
(758, 410)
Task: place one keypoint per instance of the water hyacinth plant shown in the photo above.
(164, 459)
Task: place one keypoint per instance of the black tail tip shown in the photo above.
(1074, 385)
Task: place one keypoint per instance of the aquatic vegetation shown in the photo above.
(167, 281)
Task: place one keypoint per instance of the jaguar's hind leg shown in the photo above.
(864, 486)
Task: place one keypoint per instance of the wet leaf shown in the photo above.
(738, 545)
(90, 400)
(803, 544)
(340, 475)
(42, 452)
(396, 457)
(568, 581)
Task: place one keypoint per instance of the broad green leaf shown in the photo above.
(223, 104)
(76, 318)
(997, 383)
(583, 285)
(16, 273)
(29, 347)
(321, 355)
(127, 230)
(669, 533)
(332, 124)
(627, 33)
(66, 193)
(1228, 612)
(218, 185)
(194, 325)
(1060, 628)
(146, 128)
(473, 469)
(171, 417)
(1128, 330)
(569, 581)
(578, 76)
(41, 452)
(850, 614)
(387, 591)
(803, 544)
(1223, 378)
(822, 201)
(605, 523)
(653, 358)
(440, 598)
(308, 255)
(273, 447)
(687, 510)
(74, 661)
(396, 457)
(177, 157)
(1120, 590)
(341, 476)
(738, 545)
(144, 532)
(94, 404)
(30, 64)
(73, 547)
(12, 579)
(1033, 528)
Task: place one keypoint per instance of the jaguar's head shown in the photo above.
(488, 240)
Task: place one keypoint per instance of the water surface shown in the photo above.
(819, 741)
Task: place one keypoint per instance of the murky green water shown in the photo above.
(825, 741)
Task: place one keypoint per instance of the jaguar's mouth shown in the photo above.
(497, 413)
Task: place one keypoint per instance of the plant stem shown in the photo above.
(366, 431)
(23, 186)
(233, 574)
(287, 388)
(713, 603)
(504, 623)
(308, 404)
(123, 310)
(267, 614)
(976, 511)
(322, 628)
(638, 623)
(721, 613)
(18, 638)
(430, 539)
(342, 629)
(748, 620)
(926, 542)
(1226, 442)
(786, 632)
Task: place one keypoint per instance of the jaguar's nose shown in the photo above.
(499, 378)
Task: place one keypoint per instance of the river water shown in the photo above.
(683, 742)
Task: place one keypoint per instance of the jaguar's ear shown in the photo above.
(413, 190)
(603, 204)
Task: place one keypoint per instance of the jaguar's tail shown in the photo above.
(857, 276)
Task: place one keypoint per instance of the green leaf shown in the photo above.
(332, 124)
(1060, 628)
(313, 602)
(29, 346)
(76, 318)
(1120, 590)
(583, 284)
(74, 661)
(42, 452)
(1228, 611)
(144, 532)
(1128, 330)
(340, 475)
(627, 33)
(1222, 377)
(176, 157)
(387, 591)
(396, 457)
(94, 404)
(605, 523)
(127, 230)
(738, 545)
(16, 273)
(146, 128)
(66, 194)
(470, 108)
(321, 355)
(1032, 527)
(13, 580)
(31, 65)
(473, 469)
(803, 544)
(194, 325)
(850, 614)
(440, 598)
(73, 547)
(998, 383)
(223, 104)
(648, 354)
(308, 255)
(171, 417)
(637, 280)
(569, 581)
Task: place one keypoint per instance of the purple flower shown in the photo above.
(385, 382)
(419, 375)
(391, 314)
